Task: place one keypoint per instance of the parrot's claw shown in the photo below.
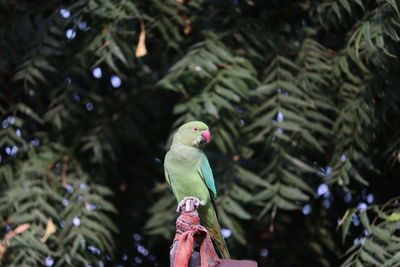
(189, 204)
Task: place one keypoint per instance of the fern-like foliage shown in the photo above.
(58, 190)
(302, 99)
(380, 242)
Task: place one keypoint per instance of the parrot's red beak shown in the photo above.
(206, 135)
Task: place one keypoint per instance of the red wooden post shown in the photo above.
(190, 205)
(195, 262)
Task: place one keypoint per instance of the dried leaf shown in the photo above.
(187, 22)
(4, 243)
(20, 229)
(3, 249)
(141, 47)
(50, 229)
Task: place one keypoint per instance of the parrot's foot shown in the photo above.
(189, 204)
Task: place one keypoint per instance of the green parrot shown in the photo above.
(188, 173)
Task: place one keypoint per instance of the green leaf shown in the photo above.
(234, 208)
(284, 204)
(336, 9)
(365, 220)
(288, 62)
(291, 115)
(116, 50)
(357, 41)
(266, 89)
(381, 233)
(393, 261)
(360, 3)
(290, 87)
(264, 121)
(346, 5)
(227, 93)
(247, 176)
(292, 193)
(227, 139)
(312, 141)
(292, 179)
(229, 222)
(395, 216)
(367, 33)
(103, 190)
(300, 164)
(380, 213)
(265, 194)
(376, 249)
(369, 258)
(394, 5)
(158, 219)
(211, 108)
(346, 221)
(221, 145)
(162, 203)
(241, 194)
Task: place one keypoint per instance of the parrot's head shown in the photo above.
(194, 133)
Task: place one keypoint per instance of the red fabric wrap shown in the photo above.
(188, 228)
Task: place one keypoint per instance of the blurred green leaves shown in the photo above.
(379, 244)
(46, 187)
(288, 93)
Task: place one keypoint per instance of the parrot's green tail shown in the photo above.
(216, 235)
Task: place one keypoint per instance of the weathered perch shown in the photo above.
(188, 230)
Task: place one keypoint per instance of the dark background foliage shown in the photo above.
(302, 98)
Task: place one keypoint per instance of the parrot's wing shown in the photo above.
(167, 179)
(207, 175)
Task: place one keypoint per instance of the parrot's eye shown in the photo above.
(196, 129)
